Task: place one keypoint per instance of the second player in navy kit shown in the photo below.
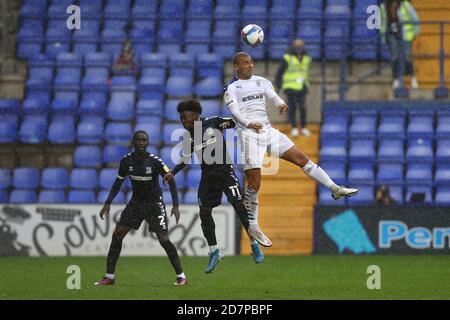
(146, 203)
(208, 143)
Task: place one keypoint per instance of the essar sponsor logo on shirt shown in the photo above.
(253, 97)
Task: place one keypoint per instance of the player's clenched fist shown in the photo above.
(283, 108)
(175, 212)
(255, 126)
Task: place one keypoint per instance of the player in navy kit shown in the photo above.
(146, 203)
(218, 174)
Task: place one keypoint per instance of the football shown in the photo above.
(252, 34)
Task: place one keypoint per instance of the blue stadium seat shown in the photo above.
(442, 175)
(97, 63)
(142, 39)
(364, 124)
(118, 133)
(392, 123)
(26, 178)
(390, 172)
(199, 9)
(361, 172)
(34, 106)
(172, 133)
(152, 87)
(364, 42)
(153, 72)
(336, 170)
(113, 154)
(33, 130)
(87, 156)
(149, 107)
(52, 196)
(8, 130)
(103, 195)
(91, 105)
(193, 177)
(81, 196)
(419, 172)
(23, 196)
(391, 149)
(210, 108)
(335, 123)
(209, 65)
(81, 178)
(170, 32)
(443, 124)
(362, 149)
(5, 178)
(4, 196)
(190, 197)
(43, 95)
(90, 130)
(64, 106)
(153, 60)
(333, 149)
(443, 150)
(55, 178)
(61, 130)
(420, 189)
(94, 82)
(310, 9)
(172, 10)
(421, 123)
(107, 177)
(210, 87)
(57, 41)
(283, 9)
(41, 67)
(9, 106)
(170, 110)
(336, 42)
(420, 149)
(442, 197)
(112, 41)
(364, 197)
(182, 64)
(144, 10)
(179, 87)
(119, 110)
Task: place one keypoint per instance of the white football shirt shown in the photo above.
(247, 100)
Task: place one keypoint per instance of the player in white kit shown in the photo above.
(246, 97)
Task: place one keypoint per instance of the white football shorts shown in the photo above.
(254, 145)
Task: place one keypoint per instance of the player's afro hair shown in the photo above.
(189, 105)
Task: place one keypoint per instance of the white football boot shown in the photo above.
(343, 192)
(255, 233)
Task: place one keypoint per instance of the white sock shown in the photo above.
(315, 172)
(109, 276)
(181, 275)
(212, 248)
(251, 203)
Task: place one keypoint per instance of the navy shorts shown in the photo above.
(154, 213)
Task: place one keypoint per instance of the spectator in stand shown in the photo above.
(293, 78)
(124, 64)
(393, 14)
(383, 197)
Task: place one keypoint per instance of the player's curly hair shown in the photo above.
(137, 132)
(189, 105)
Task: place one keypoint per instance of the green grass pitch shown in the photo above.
(238, 277)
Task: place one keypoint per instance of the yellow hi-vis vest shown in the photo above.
(406, 13)
(297, 73)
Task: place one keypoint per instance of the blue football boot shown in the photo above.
(257, 254)
(214, 258)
